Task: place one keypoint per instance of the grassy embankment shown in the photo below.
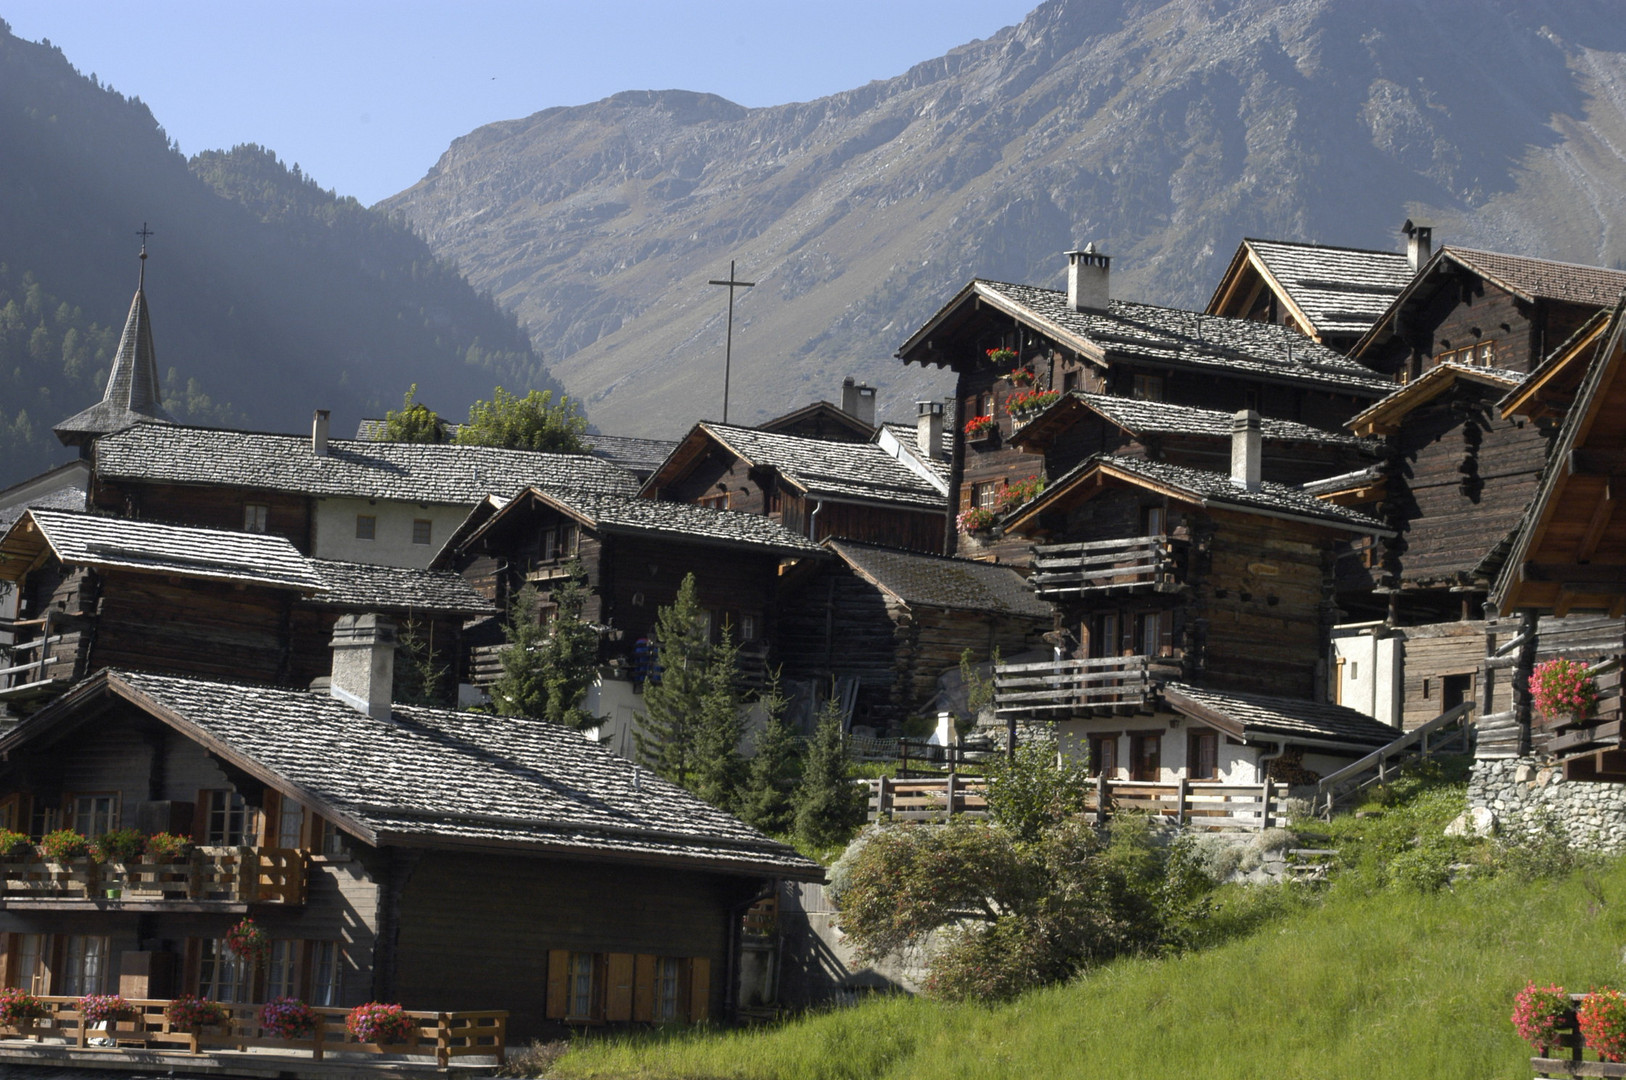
(1368, 979)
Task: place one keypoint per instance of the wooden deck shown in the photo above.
(212, 875)
(1105, 566)
(1199, 805)
(1056, 689)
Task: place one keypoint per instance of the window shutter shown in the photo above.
(558, 983)
(699, 988)
(271, 818)
(200, 820)
(643, 988)
(1165, 631)
(618, 987)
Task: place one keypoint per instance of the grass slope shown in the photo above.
(1395, 983)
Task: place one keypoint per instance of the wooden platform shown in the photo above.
(99, 1061)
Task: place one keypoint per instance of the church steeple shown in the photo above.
(133, 393)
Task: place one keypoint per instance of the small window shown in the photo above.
(1146, 756)
(1154, 521)
(669, 982)
(1202, 760)
(1149, 633)
(583, 985)
(226, 818)
(334, 845)
(94, 815)
(366, 526)
(290, 823)
(717, 500)
(421, 528)
(1104, 756)
(222, 975)
(1147, 388)
(326, 972)
(985, 496)
(748, 628)
(255, 516)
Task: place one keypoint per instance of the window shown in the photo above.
(290, 823)
(325, 973)
(226, 818)
(985, 496)
(748, 628)
(1104, 756)
(1147, 388)
(1153, 521)
(717, 500)
(583, 986)
(668, 1003)
(11, 813)
(282, 970)
(421, 528)
(222, 976)
(84, 968)
(1104, 641)
(1481, 353)
(94, 815)
(366, 526)
(1202, 755)
(254, 517)
(557, 542)
(1146, 756)
(33, 972)
(333, 843)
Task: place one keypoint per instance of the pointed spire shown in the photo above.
(133, 392)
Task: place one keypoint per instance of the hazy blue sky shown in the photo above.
(365, 95)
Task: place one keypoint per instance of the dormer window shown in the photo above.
(421, 529)
(255, 516)
(1147, 388)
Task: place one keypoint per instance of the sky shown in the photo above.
(365, 95)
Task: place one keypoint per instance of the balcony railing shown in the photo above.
(1571, 738)
(47, 654)
(230, 875)
(1056, 688)
(1128, 564)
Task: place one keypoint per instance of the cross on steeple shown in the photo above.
(143, 232)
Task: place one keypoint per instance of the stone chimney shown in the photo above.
(1247, 449)
(929, 429)
(1087, 275)
(1419, 242)
(364, 663)
(319, 427)
(858, 399)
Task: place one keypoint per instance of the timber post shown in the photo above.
(1264, 804)
(1181, 794)
(881, 786)
(948, 808)
(1101, 797)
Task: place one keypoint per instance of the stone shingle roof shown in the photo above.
(1544, 279)
(640, 456)
(1147, 417)
(1190, 339)
(628, 513)
(1340, 290)
(940, 581)
(71, 498)
(408, 472)
(437, 777)
(1431, 384)
(362, 587)
(242, 558)
(909, 436)
(852, 471)
(1266, 716)
(133, 392)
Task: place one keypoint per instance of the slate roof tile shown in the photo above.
(1215, 487)
(1341, 290)
(861, 471)
(1544, 278)
(940, 581)
(1160, 416)
(1266, 715)
(362, 587)
(629, 513)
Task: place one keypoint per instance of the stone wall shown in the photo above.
(1524, 795)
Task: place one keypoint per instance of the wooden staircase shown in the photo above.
(1381, 764)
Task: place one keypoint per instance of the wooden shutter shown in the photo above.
(699, 988)
(558, 983)
(643, 988)
(271, 819)
(618, 981)
(1165, 633)
(200, 820)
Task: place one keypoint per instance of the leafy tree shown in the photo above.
(532, 422)
(414, 422)
(1035, 790)
(770, 780)
(672, 703)
(829, 806)
(719, 771)
(547, 670)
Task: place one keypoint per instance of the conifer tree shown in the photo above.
(673, 702)
(547, 670)
(420, 678)
(770, 780)
(829, 806)
(719, 771)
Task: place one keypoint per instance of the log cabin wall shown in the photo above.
(212, 506)
(487, 947)
(1443, 663)
(193, 627)
(1092, 434)
(833, 622)
(749, 491)
(1324, 409)
(638, 575)
(875, 523)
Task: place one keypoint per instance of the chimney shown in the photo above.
(319, 428)
(858, 399)
(929, 429)
(364, 663)
(1087, 275)
(1419, 242)
(1246, 449)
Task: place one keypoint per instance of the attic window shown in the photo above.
(1147, 388)
(254, 517)
(366, 526)
(421, 529)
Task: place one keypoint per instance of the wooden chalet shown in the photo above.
(1331, 295)
(101, 592)
(897, 620)
(634, 553)
(439, 859)
(1017, 348)
(1485, 309)
(388, 503)
(813, 487)
(851, 421)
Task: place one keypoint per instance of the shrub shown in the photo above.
(19, 1006)
(191, 1013)
(103, 1008)
(1036, 789)
(13, 843)
(1537, 1013)
(64, 844)
(1001, 354)
(287, 1018)
(117, 845)
(1602, 1018)
(167, 847)
(376, 1022)
(1564, 687)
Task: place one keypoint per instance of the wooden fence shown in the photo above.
(1573, 1048)
(1198, 804)
(441, 1035)
(1070, 685)
(241, 875)
(1103, 565)
(1380, 764)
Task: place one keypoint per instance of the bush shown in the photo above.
(1035, 790)
(64, 844)
(167, 847)
(191, 1013)
(287, 1018)
(376, 1022)
(1602, 1019)
(117, 845)
(13, 843)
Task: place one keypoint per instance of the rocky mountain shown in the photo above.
(270, 297)
(1164, 132)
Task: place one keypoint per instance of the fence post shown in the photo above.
(317, 1037)
(948, 809)
(1181, 792)
(880, 798)
(1264, 806)
(443, 1040)
(1101, 797)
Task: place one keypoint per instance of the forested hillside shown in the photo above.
(270, 296)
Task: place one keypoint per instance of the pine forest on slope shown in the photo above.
(1163, 132)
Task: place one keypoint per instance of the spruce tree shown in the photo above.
(770, 780)
(420, 677)
(674, 701)
(547, 670)
(719, 771)
(518, 691)
(829, 806)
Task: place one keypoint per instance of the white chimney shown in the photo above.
(1419, 242)
(319, 427)
(929, 429)
(1247, 448)
(1087, 276)
(364, 663)
(858, 399)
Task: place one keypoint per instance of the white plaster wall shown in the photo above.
(335, 528)
(1237, 764)
(1371, 677)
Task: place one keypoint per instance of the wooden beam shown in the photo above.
(1576, 576)
(1597, 526)
(1607, 463)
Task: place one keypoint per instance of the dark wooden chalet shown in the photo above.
(1487, 309)
(1016, 348)
(814, 487)
(1331, 295)
(897, 620)
(103, 592)
(388, 503)
(435, 858)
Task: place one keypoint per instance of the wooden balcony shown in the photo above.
(1131, 564)
(1591, 748)
(1195, 804)
(47, 655)
(1057, 689)
(209, 879)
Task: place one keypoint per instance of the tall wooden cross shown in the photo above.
(728, 342)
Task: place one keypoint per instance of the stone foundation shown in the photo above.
(1525, 795)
